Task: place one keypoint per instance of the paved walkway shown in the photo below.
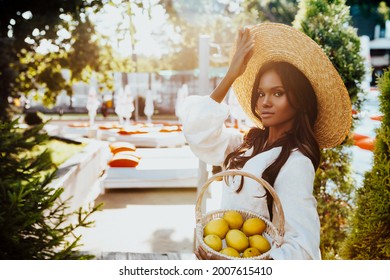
(149, 222)
(143, 221)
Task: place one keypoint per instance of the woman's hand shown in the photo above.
(242, 55)
(237, 66)
(201, 254)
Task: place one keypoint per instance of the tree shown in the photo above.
(34, 222)
(369, 235)
(281, 11)
(23, 26)
(328, 23)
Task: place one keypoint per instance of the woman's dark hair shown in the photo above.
(302, 98)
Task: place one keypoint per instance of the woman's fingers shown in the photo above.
(245, 47)
(242, 54)
(246, 36)
(201, 254)
(246, 41)
(246, 33)
(198, 255)
(243, 37)
(248, 51)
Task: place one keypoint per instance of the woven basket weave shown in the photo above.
(273, 234)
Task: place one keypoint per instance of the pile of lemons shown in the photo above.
(233, 236)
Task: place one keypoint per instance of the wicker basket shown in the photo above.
(273, 234)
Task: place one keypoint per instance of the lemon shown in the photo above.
(251, 252)
(237, 239)
(213, 241)
(259, 242)
(253, 226)
(218, 227)
(228, 251)
(234, 219)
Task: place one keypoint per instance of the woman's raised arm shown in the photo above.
(237, 66)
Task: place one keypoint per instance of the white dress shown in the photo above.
(210, 140)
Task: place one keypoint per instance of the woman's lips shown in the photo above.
(266, 114)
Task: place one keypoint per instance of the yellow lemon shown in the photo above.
(253, 226)
(259, 242)
(251, 252)
(218, 227)
(234, 219)
(213, 241)
(228, 251)
(237, 239)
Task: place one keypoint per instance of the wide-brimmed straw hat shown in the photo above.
(279, 42)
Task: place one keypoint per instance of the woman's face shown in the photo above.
(273, 105)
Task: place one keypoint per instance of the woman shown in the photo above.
(292, 93)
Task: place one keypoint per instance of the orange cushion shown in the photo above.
(124, 159)
(110, 126)
(170, 128)
(366, 143)
(357, 136)
(132, 131)
(377, 118)
(79, 124)
(117, 147)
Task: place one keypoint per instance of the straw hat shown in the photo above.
(279, 42)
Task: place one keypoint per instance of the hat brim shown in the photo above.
(279, 42)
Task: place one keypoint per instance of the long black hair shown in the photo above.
(302, 98)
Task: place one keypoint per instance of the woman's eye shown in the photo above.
(261, 94)
(279, 93)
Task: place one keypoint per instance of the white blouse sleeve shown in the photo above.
(204, 129)
(294, 186)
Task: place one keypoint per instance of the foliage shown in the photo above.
(333, 189)
(369, 237)
(24, 25)
(34, 222)
(281, 11)
(328, 23)
(61, 149)
(384, 10)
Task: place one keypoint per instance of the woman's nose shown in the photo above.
(266, 102)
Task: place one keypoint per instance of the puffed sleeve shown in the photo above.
(294, 186)
(203, 120)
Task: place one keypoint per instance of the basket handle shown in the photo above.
(261, 181)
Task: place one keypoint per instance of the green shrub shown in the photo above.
(327, 22)
(34, 222)
(369, 238)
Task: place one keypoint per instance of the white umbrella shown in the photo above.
(128, 105)
(92, 105)
(149, 106)
(119, 104)
(182, 93)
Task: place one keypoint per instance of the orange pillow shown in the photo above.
(366, 143)
(170, 128)
(357, 136)
(117, 147)
(132, 131)
(124, 159)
